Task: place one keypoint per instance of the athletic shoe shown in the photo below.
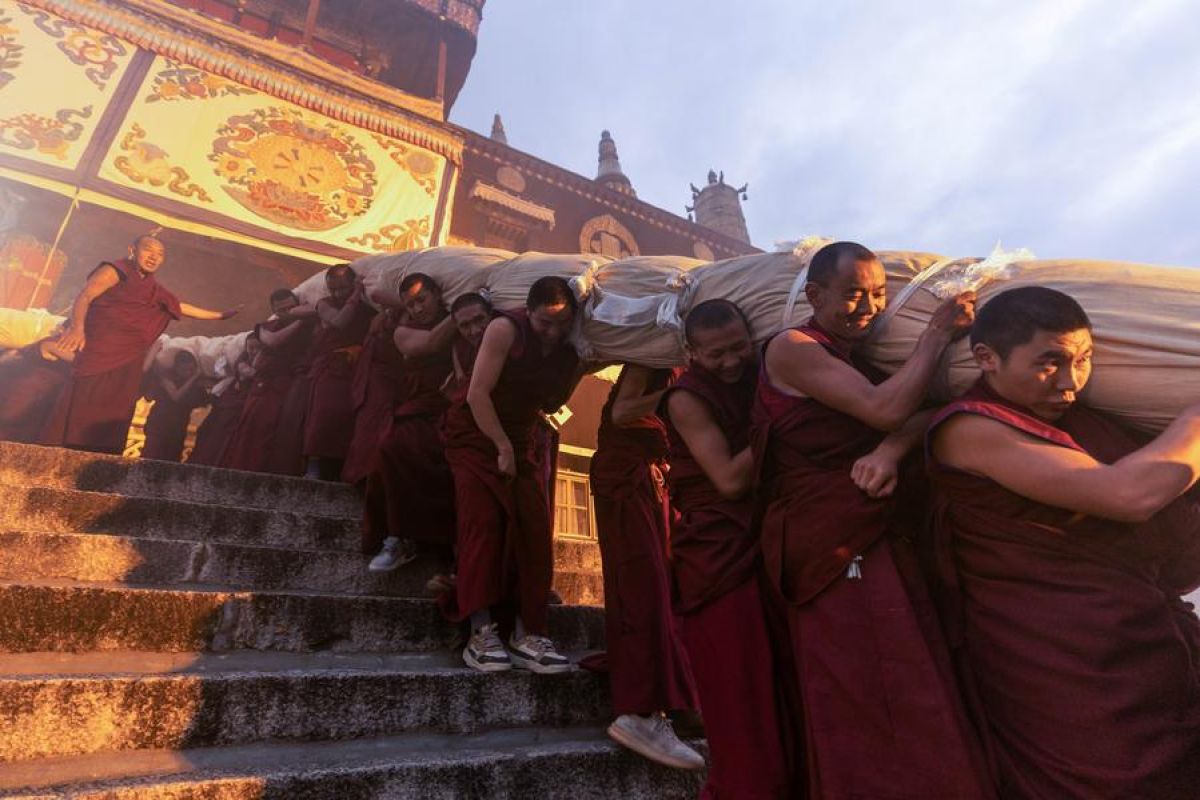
(537, 654)
(440, 583)
(654, 738)
(395, 553)
(485, 652)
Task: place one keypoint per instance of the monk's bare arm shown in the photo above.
(1132, 489)
(271, 338)
(633, 401)
(100, 281)
(493, 353)
(878, 472)
(730, 474)
(414, 342)
(196, 312)
(177, 391)
(341, 318)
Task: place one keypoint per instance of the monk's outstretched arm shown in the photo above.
(797, 363)
(489, 363)
(196, 312)
(878, 472)
(100, 281)
(271, 338)
(1132, 489)
(634, 402)
(177, 391)
(730, 473)
(414, 342)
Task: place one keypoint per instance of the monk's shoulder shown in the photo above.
(963, 438)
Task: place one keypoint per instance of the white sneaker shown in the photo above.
(537, 654)
(395, 553)
(654, 738)
(485, 652)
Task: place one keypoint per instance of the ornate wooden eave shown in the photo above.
(271, 67)
(532, 214)
(589, 189)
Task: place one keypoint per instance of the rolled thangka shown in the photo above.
(210, 351)
(457, 270)
(623, 318)
(1146, 326)
(508, 282)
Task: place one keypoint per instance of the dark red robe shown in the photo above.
(29, 385)
(373, 393)
(1078, 658)
(259, 434)
(882, 716)
(94, 410)
(412, 484)
(647, 666)
(216, 429)
(329, 418)
(504, 531)
(725, 617)
(167, 422)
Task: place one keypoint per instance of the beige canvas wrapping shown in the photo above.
(508, 282)
(215, 354)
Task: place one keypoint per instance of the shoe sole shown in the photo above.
(394, 567)
(480, 666)
(627, 740)
(520, 662)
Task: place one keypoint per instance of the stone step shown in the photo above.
(576, 763)
(66, 705)
(30, 465)
(65, 616)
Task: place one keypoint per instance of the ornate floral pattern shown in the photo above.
(419, 164)
(147, 163)
(180, 82)
(408, 235)
(52, 136)
(96, 52)
(10, 50)
(294, 169)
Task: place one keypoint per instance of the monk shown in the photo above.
(227, 398)
(118, 315)
(345, 318)
(30, 380)
(255, 440)
(647, 667)
(373, 391)
(176, 394)
(412, 483)
(723, 612)
(881, 711)
(525, 365)
(1064, 548)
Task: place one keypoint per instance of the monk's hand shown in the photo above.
(506, 462)
(876, 474)
(954, 317)
(73, 340)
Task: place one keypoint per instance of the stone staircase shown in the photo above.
(177, 632)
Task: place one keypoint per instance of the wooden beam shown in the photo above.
(440, 89)
(310, 23)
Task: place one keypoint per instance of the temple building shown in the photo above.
(271, 138)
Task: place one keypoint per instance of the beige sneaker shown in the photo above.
(654, 738)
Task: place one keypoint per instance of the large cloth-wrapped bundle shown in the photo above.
(1146, 324)
(457, 270)
(630, 299)
(215, 354)
(508, 282)
(20, 327)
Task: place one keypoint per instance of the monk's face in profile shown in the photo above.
(148, 254)
(725, 351)
(552, 323)
(471, 321)
(423, 304)
(1043, 375)
(853, 298)
(280, 308)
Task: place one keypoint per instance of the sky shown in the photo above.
(1070, 127)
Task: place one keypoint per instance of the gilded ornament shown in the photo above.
(511, 179)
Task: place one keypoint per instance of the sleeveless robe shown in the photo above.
(216, 429)
(1077, 656)
(875, 683)
(94, 410)
(373, 394)
(504, 530)
(329, 418)
(167, 422)
(727, 622)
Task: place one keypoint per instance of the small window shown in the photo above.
(573, 506)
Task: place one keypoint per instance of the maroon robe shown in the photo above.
(373, 394)
(29, 384)
(876, 687)
(217, 428)
(504, 531)
(647, 666)
(1078, 658)
(259, 435)
(725, 617)
(329, 418)
(167, 422)
(94, 410)
(412, 484)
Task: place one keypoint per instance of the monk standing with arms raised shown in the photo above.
(881, 711)
(1063, 550)
(714, 559)
(525, 365)
(119, 314)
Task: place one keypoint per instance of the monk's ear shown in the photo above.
(985, 357)
(812, 291)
